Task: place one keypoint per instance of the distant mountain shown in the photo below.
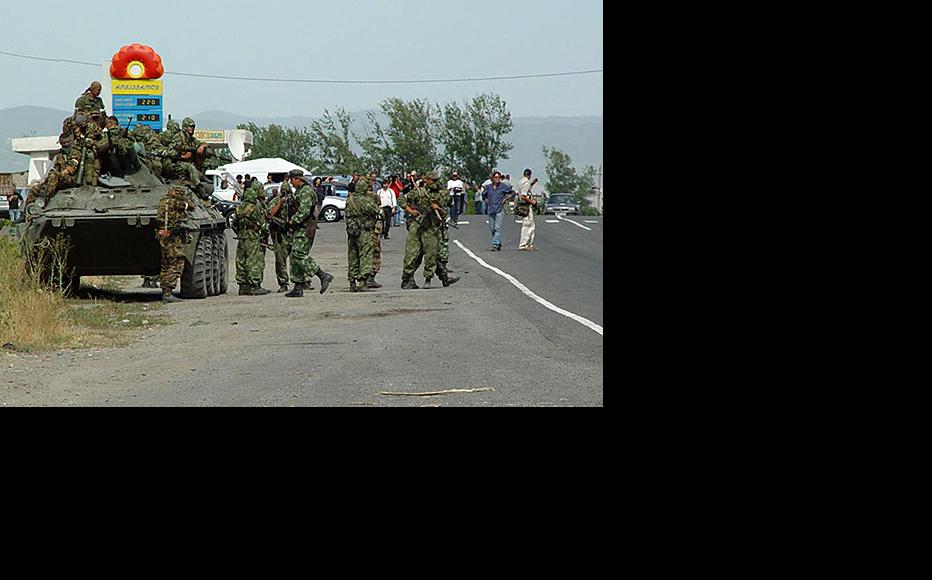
(27, 121)
(579, 137)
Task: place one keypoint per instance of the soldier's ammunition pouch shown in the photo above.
(310, 228)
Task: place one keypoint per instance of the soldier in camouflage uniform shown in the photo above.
(423, 205)
(90, 102)
(443, 237)
(65, 169)
(120, 156)
(173, 210)
(153, 146)
(303, 266)
(66, 139)
(283, 206)
(376, 236)
(171, 129)
(361, 211)
(251, 227)
(187, 151)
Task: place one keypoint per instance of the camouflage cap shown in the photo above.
(296, 173)
(188, 122)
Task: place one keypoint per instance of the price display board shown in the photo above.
(138, 102)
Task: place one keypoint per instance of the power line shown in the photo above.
(326, 81)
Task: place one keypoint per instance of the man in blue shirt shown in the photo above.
(495, 194)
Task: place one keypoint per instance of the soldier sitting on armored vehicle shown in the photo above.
(90, 101)
(74, 169)
(188, 159)
(120, 157)
(152, 148)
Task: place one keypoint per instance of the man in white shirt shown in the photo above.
(457, 190)
(526, 202)
(387, 198)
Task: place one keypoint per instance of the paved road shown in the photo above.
(346, 349)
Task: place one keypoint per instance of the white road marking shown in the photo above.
(574, 223)
(552, 221)
(591, 222)
(462, 223)
(527, 291)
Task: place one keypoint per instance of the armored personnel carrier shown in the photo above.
(110, 230)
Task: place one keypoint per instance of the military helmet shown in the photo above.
(296, 173)
(188, 122)
(363, 184)
(172, 125)
(251, 195)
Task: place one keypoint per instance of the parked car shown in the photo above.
(334, 202)
(561, 203)
(226, 207)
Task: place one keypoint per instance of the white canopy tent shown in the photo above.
(258, 168)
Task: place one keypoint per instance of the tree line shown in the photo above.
(414, 135)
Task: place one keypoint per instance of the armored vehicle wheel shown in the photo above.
(224, 254)
(210, 269)
(194, 278)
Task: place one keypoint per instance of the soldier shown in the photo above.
(173, 210)
(376, 237)
(303, 266)
(171, 129)
(66, 139)
(423, 205)
(283, 206)
(153, 148)
(120, 156)
(361, 213)
(251, 227)
(79, 163)
(90, 102)
(443, 253)
(187, 152)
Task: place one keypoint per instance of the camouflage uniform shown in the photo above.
(182, 143)
(376, 233)
(153, 145)
(443, 241)
(282, 234)
(88, 103)
(173, 211)
(361, 213)
(251, 226)
(120, 156)
(304, 224)
(422, 235)
(66, 139)
(171, 129)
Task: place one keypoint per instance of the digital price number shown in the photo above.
(150, 117)
(148, 102)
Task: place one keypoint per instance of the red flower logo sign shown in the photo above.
(136, 61)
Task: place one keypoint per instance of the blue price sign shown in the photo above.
(138, 103)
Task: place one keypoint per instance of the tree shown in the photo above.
(330, 136)
(473, 136)
(289, 143)
(409, 142)
(563, 178)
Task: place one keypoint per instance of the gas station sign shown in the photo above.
(135, 73)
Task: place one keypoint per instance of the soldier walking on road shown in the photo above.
(423, 205)
(173, 210)
(251, 227)
(361, 215)
(303, 266)
(283, 206)
(376, 235)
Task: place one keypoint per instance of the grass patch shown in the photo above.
(35, 316)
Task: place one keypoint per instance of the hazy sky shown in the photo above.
(315, 39)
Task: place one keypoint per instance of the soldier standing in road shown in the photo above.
(421, 205)
(443, 236)
(173, 210)
(283, 206)
(361, 214)
(303, 266)
(376, 235)
(251, 227)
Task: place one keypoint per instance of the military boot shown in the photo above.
(167, 297)
(447, 281)
(298, 292)
(371, 283)
(258, 291)
(244, 289)
(282, 288)
(325, 279)
(353, 287)
(427, 283)
(409, 284)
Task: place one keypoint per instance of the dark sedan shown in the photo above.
(562, 203)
